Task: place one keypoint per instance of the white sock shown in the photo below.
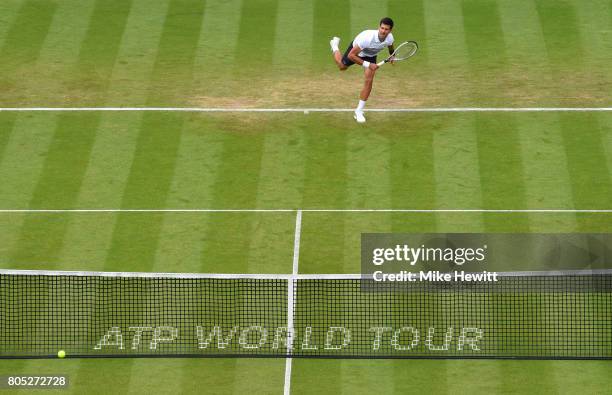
(335, 48)
(361, 105)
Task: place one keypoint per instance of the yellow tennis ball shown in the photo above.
(61, 354)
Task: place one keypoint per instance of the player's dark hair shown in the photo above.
(386, 21)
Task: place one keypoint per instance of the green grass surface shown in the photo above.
(275, 53)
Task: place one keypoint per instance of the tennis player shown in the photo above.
(363, 50)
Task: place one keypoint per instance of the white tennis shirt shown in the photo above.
(369, 43)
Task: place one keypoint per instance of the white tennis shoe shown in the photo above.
(359, 117)
(334, 43)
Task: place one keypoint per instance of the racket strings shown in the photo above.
(405, 51)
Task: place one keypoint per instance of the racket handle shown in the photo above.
(380, 63)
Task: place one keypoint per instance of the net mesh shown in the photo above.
(530, 316)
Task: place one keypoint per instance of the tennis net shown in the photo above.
(548, 315)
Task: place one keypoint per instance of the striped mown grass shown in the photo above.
(275, 53)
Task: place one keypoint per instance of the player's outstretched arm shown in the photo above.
(354, 56)
(391, 50)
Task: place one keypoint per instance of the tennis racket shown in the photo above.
(404, 51)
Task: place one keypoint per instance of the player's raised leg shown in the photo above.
(334, 43)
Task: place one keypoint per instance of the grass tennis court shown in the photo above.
(275, 54)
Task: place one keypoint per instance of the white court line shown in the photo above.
(296, 241)
(307, 109)
(291, 210)
(291, 301)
